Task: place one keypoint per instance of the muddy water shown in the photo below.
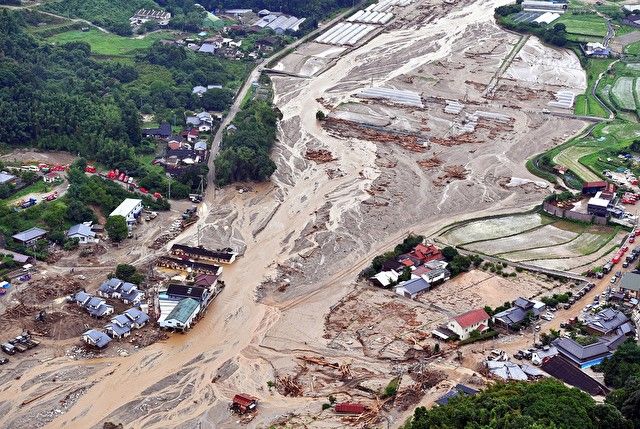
(170, 383)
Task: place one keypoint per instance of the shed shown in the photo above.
(244, 403)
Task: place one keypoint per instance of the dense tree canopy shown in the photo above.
(544, 404)
(245, 151)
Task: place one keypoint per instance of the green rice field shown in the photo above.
(107, 43)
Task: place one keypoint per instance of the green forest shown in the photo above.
(521, 405)
(245, 151)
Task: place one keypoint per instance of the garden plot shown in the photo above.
(585, 244)
(622, 93)
(490, 229)
(546, 235)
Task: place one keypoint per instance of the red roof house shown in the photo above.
(349, 408)
(464, 324)
(426, 253)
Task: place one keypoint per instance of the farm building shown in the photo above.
(200, 253)
(280, 23)
(598, 206)
(592, 188)
(544, 6)
(30, 237)
(129, 209)
(464, 324)
(96, 338)
(181, 316)
(596, 50)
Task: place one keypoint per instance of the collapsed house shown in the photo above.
(514, 316)
(181, 251)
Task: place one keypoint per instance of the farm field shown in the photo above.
(535, 239)
(489, 229)
(570, 158)
(587, 104)
(584, 25)
(109, 44)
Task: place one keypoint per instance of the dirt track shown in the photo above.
(314, 228)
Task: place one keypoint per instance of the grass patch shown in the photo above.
(109, 44)
(570, 158)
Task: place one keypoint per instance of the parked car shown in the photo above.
(625, 264)
(8, 349)
(613, 279)
(4, 361)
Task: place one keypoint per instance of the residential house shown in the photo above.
(209, 281)
(96, 307)
(630, 284)
(464, 324)
(96, 338)
(182, 315)
(596, 50)
(200, 147)
(110, 288)
(607, 322)
(426, 253)
(514, 316)
(562, 369)
(82, 233)
(163, 131)
(30, 237)
(412, 288)
(17, 257)
(232, 128)
(130, 294)
(122, 325)
(192, 135)
(130, 209)
(592, 354)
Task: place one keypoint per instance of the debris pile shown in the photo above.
(319, 156)
(289, 386)
(343, 128)
(432, 162)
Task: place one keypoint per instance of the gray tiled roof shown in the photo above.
(415, 285)
(30, 234)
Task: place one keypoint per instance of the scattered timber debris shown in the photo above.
(319, 156)
(289, 386)
(345, 128)
(432, 162)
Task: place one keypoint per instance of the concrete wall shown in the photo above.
(568, 214)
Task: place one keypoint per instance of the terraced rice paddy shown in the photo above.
(489, 229)
(535, 239)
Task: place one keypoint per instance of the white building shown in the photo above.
(129, 209)
(464, 324)
(181, 316)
